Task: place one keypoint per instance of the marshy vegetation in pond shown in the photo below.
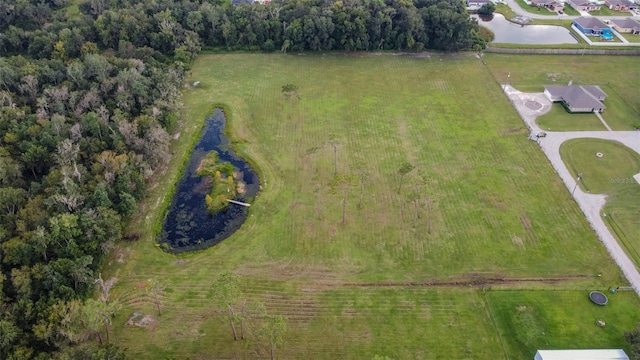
(224, 181)
(199, 215)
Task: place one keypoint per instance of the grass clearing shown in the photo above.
(612, 174)
(605, 11)
(532, 320)
(535, 9)
(570, 10)
(632, 38)
(619, 114)
(505, 10)
(340, 323)
(494, 205)
(558, 119)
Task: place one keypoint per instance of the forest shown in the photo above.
(89, 100)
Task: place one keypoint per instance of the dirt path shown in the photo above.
(590, 204)
(471, 281)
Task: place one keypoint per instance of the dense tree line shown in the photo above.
(175, 28)
(87, 103)
(82, 128)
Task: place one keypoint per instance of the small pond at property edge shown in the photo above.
(188, 225)
(511, 33)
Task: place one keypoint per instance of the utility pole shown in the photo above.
(577, 180)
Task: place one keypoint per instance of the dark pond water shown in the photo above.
(188, 225)
(510, 33)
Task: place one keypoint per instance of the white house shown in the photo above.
(591, 354)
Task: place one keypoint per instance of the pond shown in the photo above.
(189, 225)
(511, 33)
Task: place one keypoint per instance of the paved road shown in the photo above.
(520, 11)
(590, 204)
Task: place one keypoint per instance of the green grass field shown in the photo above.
(605, 11)
(612, 174)
(535, 9)
(532, 320)
(558, 119)
(633, 38)
(494, 204)
(505, 10)
(570, 11)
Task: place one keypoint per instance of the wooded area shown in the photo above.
(87, 102)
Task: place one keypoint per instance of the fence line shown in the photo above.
(562, 51)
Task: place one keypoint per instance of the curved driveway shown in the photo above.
(590, 204)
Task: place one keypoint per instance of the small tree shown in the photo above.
(487, 9)
(253, 313)
(285, 46)
(104, 288)
(273, 330)
(156, 290)
(363, 180)
(424, 181)
(333, 141)
(97, 314)
(335, 159)
(290, 91)
(404, 169)
(225, 291)
(342, 183)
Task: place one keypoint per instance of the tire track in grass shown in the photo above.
(305, 309)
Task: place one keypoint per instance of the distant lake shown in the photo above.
(511, 33)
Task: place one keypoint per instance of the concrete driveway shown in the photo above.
(590, 204)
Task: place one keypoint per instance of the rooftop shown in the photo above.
(590, 354)
(578, 97)
(581, 2)
(626, 3)
(590, 23)
(628, 23)
(583, 97)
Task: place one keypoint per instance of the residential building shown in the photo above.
(552, 5)
(584, 5)
(591, 26)
(620, 5)
(577, 98)
(627, 25)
